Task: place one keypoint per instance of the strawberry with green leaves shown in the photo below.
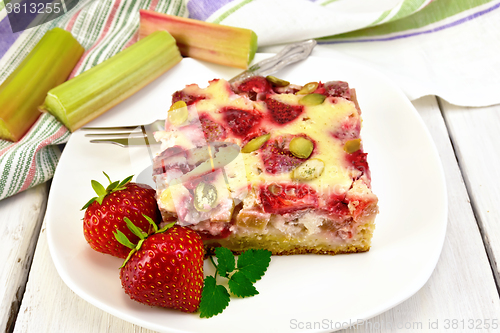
(106, 212)
(164, 269)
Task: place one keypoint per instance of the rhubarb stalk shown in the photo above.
(211, 42)
(90, 94)
(46, 66)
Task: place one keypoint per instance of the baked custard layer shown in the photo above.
(282, 243)
(269, 165)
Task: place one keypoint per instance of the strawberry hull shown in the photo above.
(101, 221)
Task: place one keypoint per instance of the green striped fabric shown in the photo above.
(432, 13)
(104, 28)
(303, 18)
(33, 159)
(235, 6)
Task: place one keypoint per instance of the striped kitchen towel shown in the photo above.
(447, 48)
(103, 27)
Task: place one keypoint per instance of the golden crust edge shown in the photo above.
(210, 250)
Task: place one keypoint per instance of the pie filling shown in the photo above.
(255, 165)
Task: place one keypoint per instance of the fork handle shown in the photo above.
(288, 55)
(125, 142)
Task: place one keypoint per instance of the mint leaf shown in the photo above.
(253, 263)
(214, 298)
(225, 261)
(241, 286)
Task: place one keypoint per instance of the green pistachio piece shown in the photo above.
(301, 147)
(178, 113)
(308, 170)
(276, 81)
(308, 88)
(352, 146)
(312, 99)
(255, 143)
(205, 197)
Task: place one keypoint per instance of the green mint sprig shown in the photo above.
(241, 275)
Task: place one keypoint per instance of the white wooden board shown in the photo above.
(475, 133)
(20, 220)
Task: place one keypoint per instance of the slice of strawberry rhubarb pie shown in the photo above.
(266, 164)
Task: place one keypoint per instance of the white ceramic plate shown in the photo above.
(296, 291)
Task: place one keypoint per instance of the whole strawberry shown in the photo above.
(164, 269)
(105, 214)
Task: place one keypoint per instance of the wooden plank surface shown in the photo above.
(475, 133)
(461, 288)
(21, 217)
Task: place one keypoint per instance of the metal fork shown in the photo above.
(125, 136)
(140, 135)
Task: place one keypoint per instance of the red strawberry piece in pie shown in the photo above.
(240, 122)
(281, 112)
(286, 198)
(256, 84)
(338, 89)
(213, 130)
(186, 97)
(276, 155)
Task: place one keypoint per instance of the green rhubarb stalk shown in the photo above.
(216, 43)
(46, 66)
(90, 94)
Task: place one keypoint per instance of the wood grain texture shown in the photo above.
(475, 133)
(21, 218)
(462, 285)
